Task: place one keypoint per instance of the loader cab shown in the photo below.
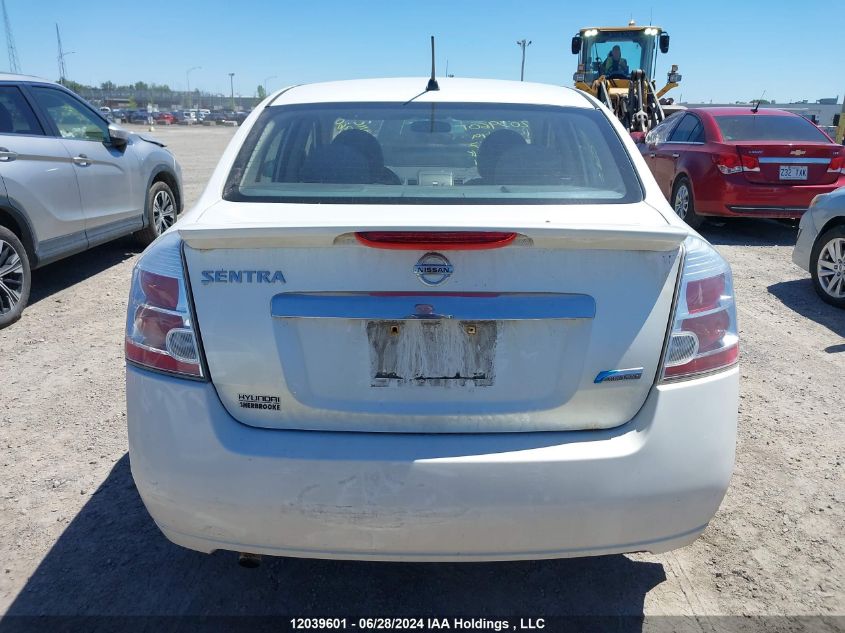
(638, 47)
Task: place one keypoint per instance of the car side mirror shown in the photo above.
(118, 136)
(576, 44)
(663, 42)
(638, 137)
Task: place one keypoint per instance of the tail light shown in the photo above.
(160, 332)
(704, 335)
(837, 165)
(734, 163)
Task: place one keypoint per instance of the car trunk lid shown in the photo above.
(311, 323)
(789, 163)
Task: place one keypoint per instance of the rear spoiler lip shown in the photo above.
(581, 236)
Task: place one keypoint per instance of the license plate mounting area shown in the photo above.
(432, 352)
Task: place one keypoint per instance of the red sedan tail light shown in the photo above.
(734, 163)
(837, 165)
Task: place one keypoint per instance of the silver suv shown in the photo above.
(70, 180)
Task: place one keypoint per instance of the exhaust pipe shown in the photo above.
(249, 561)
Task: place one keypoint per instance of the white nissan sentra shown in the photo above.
(452, 324)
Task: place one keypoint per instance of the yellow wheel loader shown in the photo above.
(617, 65)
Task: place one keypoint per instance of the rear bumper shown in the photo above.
(212, 483)
(733, 196)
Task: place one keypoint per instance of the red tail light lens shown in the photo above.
(159, 328)
(435, 240)
(160, 290)
(837, 165)
(734, 163)
(704, 294)
(704, 333)
(750, 163)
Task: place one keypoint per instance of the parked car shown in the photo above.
(71, 181)
(217, 117)
(120, 115)
(738, 162)
(195, 114)
(452, 325)
(164, 118)
(140, 116)
(820, 248)
(186, 117)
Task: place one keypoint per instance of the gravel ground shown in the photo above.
(75, 538)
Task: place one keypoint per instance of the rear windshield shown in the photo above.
(418, 153)
(769, 128)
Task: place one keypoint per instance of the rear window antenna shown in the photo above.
(432, 82)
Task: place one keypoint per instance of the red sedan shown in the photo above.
(164, 118)
(740, 163)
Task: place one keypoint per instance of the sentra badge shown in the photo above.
(242, 277)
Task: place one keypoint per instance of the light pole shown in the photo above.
(188, 82)
(522, 44)
(62, 66)
(266, 79)
(232, 89)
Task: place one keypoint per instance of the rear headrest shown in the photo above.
(366, 144)
(491, 149)
(336, 164)
(529, 165)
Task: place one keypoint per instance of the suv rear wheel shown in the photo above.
(827, 266)
(15, 277)
(161, 212)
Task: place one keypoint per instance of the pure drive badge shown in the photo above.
(617, 375)
(263, 403)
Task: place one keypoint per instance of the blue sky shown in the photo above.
(726, 50)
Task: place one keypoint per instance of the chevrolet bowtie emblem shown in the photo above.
(797, 152)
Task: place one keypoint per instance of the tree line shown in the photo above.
(142, 92)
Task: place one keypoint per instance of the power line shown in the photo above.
(14, 62)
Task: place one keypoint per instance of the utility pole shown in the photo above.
(188, 82)
(232, 89)
(266, 79)
(523, 44)
(14, 63)
(61, 57)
